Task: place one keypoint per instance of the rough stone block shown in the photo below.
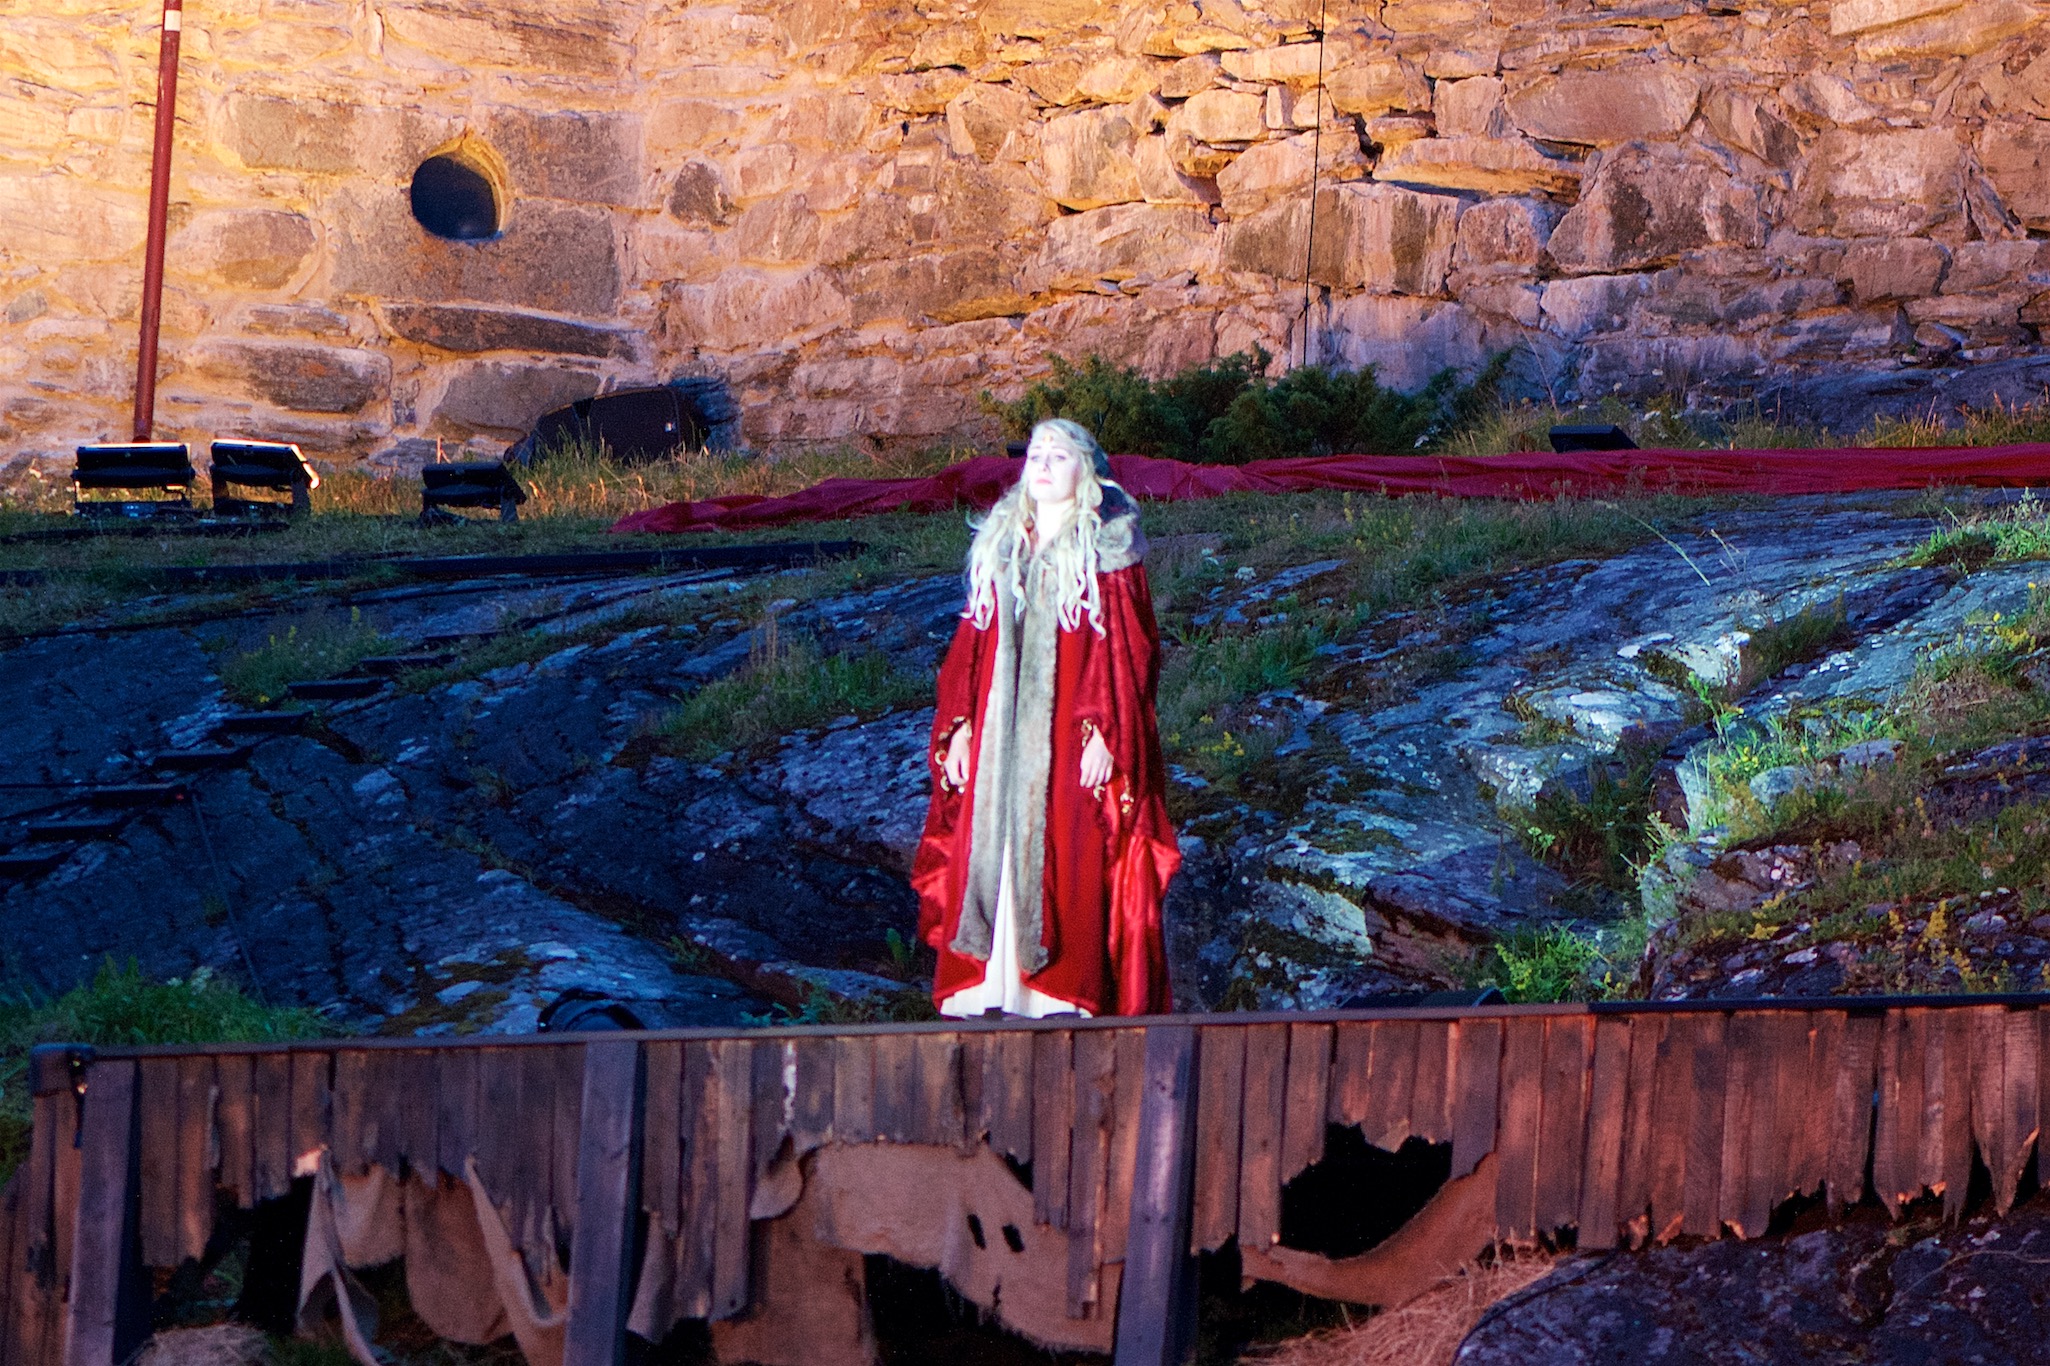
(1122, 242)
(295, 376)
(506, 397)
(697, 195)
(557, 258)
(747, 310)
(1086, 159)
(1962, 32)
(2016, 157)
(1647, 206)
(924, 92)
(569, 38)
(1847, 17)
(1504, 234)
(777, 231)
(1037, 18)
(1575, 309)
(1294, 63)
(233, 249)
(1599, 108)
(950, 287)
(1385, 239)
(278, 133)
(1117, 80)
(588, 158)
(1742, 120)
(1268, 171)
(1878, 269)
(1190, 75)
(50, 218)
(1405, 340)
(1221, 116)
(1879, 184)
(1471, 108)
(1432, 16)
(1989, 266)
(1163, 182)
(1378, 86)
(980, 118)
(458, 327)
(1828, 98)
(1488, 165)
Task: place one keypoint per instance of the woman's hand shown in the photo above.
(956, 766)
(1096, 762)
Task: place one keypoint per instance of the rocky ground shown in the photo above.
(450, 853)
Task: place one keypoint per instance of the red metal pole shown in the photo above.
(159, 208)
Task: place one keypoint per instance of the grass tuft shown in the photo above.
(319, 645)
(121, 1006)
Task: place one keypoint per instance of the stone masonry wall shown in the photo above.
(860, 213)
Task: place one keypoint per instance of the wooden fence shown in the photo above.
(703, 1175)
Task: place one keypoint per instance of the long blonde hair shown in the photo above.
(1003, 540)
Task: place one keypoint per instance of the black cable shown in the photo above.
(1316, 153)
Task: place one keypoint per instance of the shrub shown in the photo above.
(1228, 412)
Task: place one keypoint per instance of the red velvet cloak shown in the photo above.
(1109, 853)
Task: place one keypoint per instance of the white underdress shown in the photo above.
(1003, 986)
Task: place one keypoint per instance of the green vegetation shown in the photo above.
(1545, 965)
(785, 687)
(120, 1006)
(2017, 531)
(1228, 412)
(318, 645)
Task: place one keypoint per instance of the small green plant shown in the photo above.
(1545, 965)
(785, 687)
(2018, 531)
(121, 1006)
(316, 646)
(908, 1005)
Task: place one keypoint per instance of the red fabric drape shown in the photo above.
(977, 482)
(1109, 854)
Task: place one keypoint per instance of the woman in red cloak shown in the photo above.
(1047, 846)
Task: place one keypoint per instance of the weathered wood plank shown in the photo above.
(1634, 1180)
(1391, 1084)
(157, 1103)
(1897, 1151)
(1959, 1026)
(1748, 1074)
(1309, 1077)
(14, 1271)
(607, 1197)
(455, 1109)
(1053, 1085)
(854, 1094)
(2020, 1103)
(1670, 1122)
(661, 1139)
(1157, 1300)
(107, 1314)
(1352, 1067)
(1705, 1141)
(1124, 1142)
(1007, 1094)
(1430, 1104)
(234, 1075)
(35, 1295)
(420, 1112)
(896, 1088)
(1516, 1132)
(811, 1114)
(569, 1131)
(937, 1073)
(350, 1104)
(733, 1062)
(1095, 1058)
(699, 1192)
(767, 1126)
(534, 1165)
(1260, 1136)
(1850, 1137)
(310, 1093)
(1988, 1030)
(1220, 1098)
(196, 1154)
(1794, 1091)
(1810, 1119)
(973, 1067)
(1607, 1103)
(498, 1143)
(2042, 1097)
(270, 1125)
(1562, 1127)
(1476, 1085)
(64, 1198)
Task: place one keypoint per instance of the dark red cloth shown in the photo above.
(1109, 853)
(977, 482)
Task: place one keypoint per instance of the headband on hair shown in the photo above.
(1079, 440)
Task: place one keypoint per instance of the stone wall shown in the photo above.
(859, 214)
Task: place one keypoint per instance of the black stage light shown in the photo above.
(1605, 436)
(482, 485)
(273, 466)
(162, 468)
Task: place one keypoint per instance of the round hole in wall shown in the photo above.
(456, 198)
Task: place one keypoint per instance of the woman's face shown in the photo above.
(1052, 469)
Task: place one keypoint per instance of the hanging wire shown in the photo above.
(1316, 151)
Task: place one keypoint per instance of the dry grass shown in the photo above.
(223, 1344)
(1425, 1332)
